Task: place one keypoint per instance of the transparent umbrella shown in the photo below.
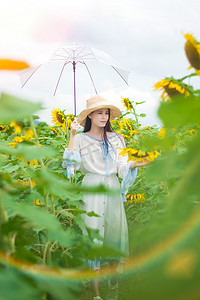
(71, 68)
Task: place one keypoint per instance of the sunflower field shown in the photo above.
(42, 248)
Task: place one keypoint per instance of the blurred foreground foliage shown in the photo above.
(42, 247)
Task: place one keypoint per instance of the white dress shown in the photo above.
(101, 167)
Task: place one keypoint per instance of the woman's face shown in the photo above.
(99, 117)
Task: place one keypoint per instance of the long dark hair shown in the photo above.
(107, 128)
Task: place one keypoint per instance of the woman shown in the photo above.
(96, 153)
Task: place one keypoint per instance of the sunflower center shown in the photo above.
(59, 117)
(144, 154)
(171, 91)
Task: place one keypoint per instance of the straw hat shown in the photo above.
(95, 103)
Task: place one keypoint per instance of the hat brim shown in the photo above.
(114, 112)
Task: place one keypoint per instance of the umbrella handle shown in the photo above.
(74, 70)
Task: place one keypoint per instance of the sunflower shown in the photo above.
(128, 126)
(162, 132)
(134, 198)
(127, 104)
(171, 88)
(125, 136)
(58, 118)
(33, 163)
(17, 127)
(54, 130)
(192, 51)
(139, 197)
(17, 140)
(38, 203)
(147, 127)
(4, 128)
(125, 128)
(29, 133)
(139, 156)
(30, 182)
(192, 132)
(120, 124)
(70, 119)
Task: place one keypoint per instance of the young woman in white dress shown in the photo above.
(95, 152)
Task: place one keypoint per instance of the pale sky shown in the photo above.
(146, 37)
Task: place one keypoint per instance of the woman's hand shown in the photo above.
(74, 127)
(139, 164)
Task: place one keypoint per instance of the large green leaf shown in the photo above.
(30, 152)
(165, 167)
(13, 108)
(181, 111)
(15, 287)
(59, 289)
(104, 251)
(57, 184)
(35, 152)
(41, 219)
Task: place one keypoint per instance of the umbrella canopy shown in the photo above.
(71, 68)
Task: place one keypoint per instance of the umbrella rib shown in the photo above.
(88, 54)
(67, 52)
(59, 55)
(120, 75)
(80, 51)
(84, 55)
(90, 58)
(70, 56)
(60, 78)
(30, 76)
(90, 76)
(78, 54)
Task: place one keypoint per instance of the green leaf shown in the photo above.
(13, 108)
(36, 215)
(181, 111)
(92, 214)
(60, 289)
(63, 237)
(2, 160)
(140, 102)
(15, 287)
(41, 218)
(104, 251)
(165, 167)
(9, 168)
(34, 152)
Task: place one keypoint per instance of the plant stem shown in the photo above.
(136, 116)
(36, 138)
(188, 76)
(46, 196)
(52, 202)
(45, 252)
(8, 242)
